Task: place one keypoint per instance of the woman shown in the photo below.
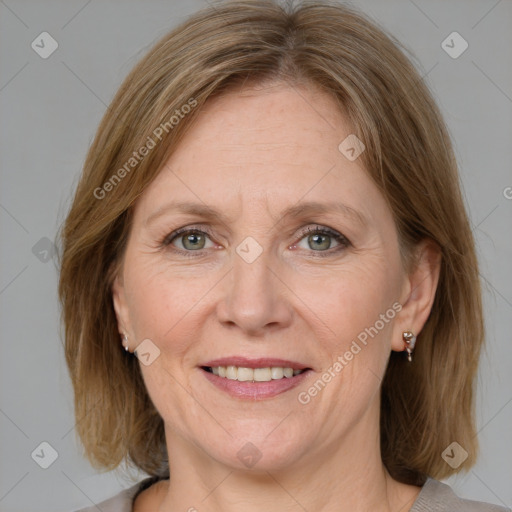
(269, 222)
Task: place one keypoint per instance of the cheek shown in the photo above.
(353, 314)
(360, 317)
(166, 308)
(161, 302)
(350, 299)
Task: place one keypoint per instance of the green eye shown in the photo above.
(193, 241)
(188, 240)
(319, 242)
(316, 239)
(323, 239)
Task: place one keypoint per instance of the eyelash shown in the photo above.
(343, 241)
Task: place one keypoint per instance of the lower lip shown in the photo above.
(255, 390)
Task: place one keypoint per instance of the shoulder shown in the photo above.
(123, 501)
(438, 497)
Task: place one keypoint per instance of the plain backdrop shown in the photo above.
(50, 109)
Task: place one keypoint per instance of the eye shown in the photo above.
(189, 240)
(322, 239)
(318, 239)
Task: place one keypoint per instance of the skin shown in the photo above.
(251, 154)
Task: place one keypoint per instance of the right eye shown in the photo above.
(188, 240)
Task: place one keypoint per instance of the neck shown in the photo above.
(343, 476)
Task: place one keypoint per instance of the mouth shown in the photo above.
(243, 374)
(254, 379)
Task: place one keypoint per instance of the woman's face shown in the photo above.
(286, 257)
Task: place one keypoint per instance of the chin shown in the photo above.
(265, 451)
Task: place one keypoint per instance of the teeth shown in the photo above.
(244, 374)
(262, 374)
(255, 375)
(277, 372)
(231, 372)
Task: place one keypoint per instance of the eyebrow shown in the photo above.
(302, 209)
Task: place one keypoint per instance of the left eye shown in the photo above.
(321, 240)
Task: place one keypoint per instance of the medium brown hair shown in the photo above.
(426, 405)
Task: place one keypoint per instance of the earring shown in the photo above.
(125, 342)
(410, 341)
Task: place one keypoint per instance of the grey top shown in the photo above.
(433, 497)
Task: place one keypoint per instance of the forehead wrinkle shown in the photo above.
(299, 210)
(305, 209)
(260, 146)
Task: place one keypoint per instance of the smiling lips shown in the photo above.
(243, 374)
(254, 378)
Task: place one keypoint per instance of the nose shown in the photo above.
(254, 297)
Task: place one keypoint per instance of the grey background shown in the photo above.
(50, 109)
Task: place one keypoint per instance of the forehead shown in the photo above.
(259, 149)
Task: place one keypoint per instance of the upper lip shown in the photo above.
(261, 362)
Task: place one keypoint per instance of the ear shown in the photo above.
(121, 306)
(419, 291)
